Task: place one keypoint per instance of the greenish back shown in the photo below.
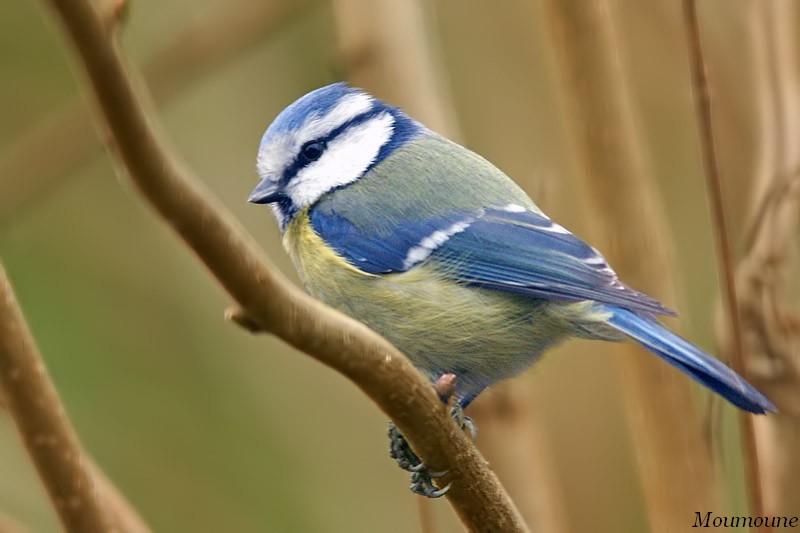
(417, 180)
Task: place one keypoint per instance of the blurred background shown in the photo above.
(207, 428)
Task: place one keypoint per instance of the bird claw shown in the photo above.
(422, 468)
(423, 486)
(421, 476)
(463, 421)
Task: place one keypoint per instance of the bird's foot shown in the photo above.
(421, 476)
(463, 421)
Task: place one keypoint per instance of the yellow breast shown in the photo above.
(440, 324)
(320, 267)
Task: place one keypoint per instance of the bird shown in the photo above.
(444, 255)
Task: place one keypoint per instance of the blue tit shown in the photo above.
(444, 255)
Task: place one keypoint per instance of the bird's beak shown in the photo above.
(266, 192)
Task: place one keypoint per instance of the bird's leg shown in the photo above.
(463, 421)
(421, 476)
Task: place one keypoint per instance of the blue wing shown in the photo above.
(509, 250)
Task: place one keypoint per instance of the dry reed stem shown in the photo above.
(230, 254)
(771, 328)
(674, 462)
(702, 97)
(770, 319)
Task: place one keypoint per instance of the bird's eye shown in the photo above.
(311, 151)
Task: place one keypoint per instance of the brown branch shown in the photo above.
(674, 462)
(230, 254)
(43, 424)
(702, 97)
(125, 518)
(67, 135)
(512, 438)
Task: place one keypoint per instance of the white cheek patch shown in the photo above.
(344, 160)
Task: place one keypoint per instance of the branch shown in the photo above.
(43, 424)
(67, 135)
(230, 254)
(702, 97)
(513, 440)
(37, 410)
(675, 465)
(125, 517)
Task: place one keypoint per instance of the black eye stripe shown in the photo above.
(301, 162)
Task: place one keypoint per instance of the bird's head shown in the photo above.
(325, 140)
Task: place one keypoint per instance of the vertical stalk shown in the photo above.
(770, 318)
(702, 98)
(674, 461)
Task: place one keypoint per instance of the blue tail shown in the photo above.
(690, 359)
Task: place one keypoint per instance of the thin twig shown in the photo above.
(124, 516)
(346, 345)
(513, 439)
(702, 97)
(43, 424)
